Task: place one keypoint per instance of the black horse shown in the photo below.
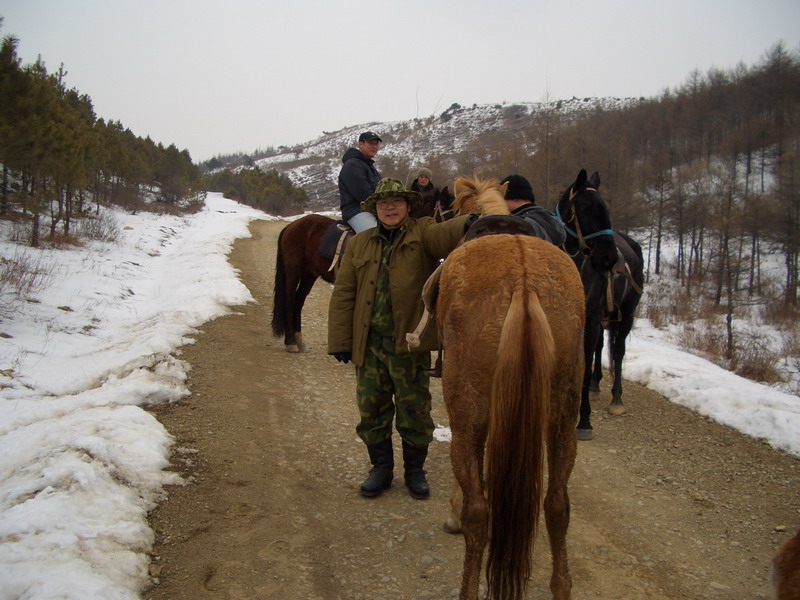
(612, 271)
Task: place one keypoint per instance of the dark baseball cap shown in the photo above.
(368, 136)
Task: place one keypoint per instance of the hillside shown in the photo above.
(443, 140)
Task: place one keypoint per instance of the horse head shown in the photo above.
(426, 208)
(482, 196)
(586, 218)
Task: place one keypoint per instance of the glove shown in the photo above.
(343, 357)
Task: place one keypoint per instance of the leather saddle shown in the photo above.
(496, 224)
(333, 241)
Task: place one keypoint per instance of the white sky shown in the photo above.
(219, 77)
(81, 463)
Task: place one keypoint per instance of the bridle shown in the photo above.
(587, 250)
(577, 233)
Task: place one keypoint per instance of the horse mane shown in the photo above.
(482, 196)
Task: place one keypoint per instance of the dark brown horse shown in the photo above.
(611, 269)
(297, 266)
(510, 313)
(427, 207)
(437, 205)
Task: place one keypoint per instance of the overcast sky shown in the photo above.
(223, 76)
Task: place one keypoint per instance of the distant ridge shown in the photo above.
(314, 165)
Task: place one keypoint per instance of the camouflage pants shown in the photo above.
(389, 383)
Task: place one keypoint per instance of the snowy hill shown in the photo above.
(314, 165)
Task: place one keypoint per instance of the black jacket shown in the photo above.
(544, 222)
(357, 182)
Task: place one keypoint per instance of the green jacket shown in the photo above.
(417, 250)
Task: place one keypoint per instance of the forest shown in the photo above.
(61, 162)
(269, 191)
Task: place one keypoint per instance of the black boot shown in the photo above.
(380, 476)
(413, 461)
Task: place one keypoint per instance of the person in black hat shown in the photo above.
(358, 179)
(522, 203)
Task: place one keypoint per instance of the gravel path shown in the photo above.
(665, 504)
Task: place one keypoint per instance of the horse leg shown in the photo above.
(617, 343)
(597, 372)
(561, 459)
(289, 335)
(453, 522)
(299, 300)
(591, 334)
(474, 513)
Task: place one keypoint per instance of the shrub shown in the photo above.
(22, 274)
(103, 228)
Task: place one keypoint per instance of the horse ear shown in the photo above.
(580, 181)
(503, 188)
(594, 180)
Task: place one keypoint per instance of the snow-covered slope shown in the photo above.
(314, 165)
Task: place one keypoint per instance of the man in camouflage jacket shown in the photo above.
(377, 300)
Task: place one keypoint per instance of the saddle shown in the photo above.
(333, 241)
(486, 225)
(625, 257)
(497, 224)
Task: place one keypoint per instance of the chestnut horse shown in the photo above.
(297, 266)
(510, 312)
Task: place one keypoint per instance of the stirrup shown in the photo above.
(436, 371)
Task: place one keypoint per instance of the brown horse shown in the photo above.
(298, 265)
(434, 205)
(511, 314)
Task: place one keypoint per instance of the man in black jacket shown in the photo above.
(358, 180)
(522, 203)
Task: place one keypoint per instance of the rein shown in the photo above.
(583, 246)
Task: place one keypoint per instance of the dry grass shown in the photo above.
(699, 326)
(22, 274)
(753, 360)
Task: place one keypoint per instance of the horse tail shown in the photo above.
(515, 446)
(279, 324)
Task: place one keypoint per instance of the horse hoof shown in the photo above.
(594, 395)
(617, 409)
(451, 526)
(584, 435)
(293, 348)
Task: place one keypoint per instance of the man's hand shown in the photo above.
(343, 357)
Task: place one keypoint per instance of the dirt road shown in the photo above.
(665, 504)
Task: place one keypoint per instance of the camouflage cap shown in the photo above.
(391, 188)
